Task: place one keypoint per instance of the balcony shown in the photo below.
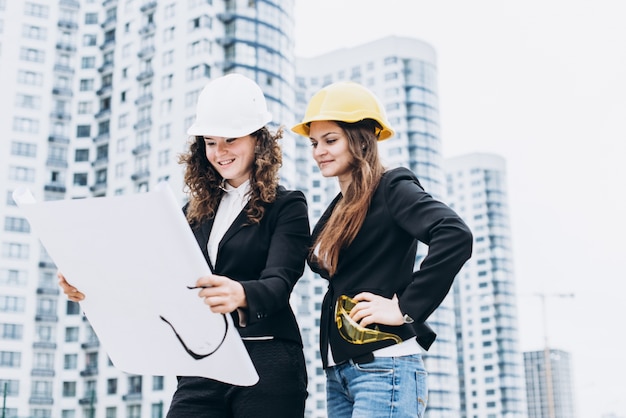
(99, 189)
(109, 23)
(46, 317)
(67, 24)
(108, 44)
(56, 163)
(60, 115)
(105, 90)
(147, 29)
(141, 149)
(144, 99)
(58, 139)
(52, 291)
(141, 175)
(42, 372)
(132, 397)
(44, 345)
(145, 75)
(106, 67)
(148, 6)
(42, 399)
(146, 52)
(71, 4)
(55, 187)
(103, 113)
(101, 138)
(61, 68)
(90, 345)
(143, 124)
(100, 162)
(63, 46)
(89, 371)
(62, 91)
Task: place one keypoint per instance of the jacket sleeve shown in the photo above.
(289, 242)
(435, 224)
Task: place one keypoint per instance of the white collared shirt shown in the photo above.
(232, 203)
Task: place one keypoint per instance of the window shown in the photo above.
(14, 224)
(88, 62)
(85, 108)
(36, 10)
(157, 383)
(81, 155)
(16, 251)
(134, 384)
(111, 386)
(11, 332)
(86, 84)
(72, 308)
(32, 55)
(23, 149)
(25, 125)
(80, 179)
(168, 34)
(83, 131)
(71, 334)
(10, 359)
(91, 18)
(70, 361)
(12, 388)
(30, 78)
(166, 81)
(89, 39)
(163, 158)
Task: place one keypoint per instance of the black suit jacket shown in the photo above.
(267, 259)
(381, 260)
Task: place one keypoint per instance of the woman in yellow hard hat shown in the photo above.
(254, 235)
(373, 318)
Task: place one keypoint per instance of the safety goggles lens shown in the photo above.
(354, 333)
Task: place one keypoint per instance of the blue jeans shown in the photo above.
(388, 387)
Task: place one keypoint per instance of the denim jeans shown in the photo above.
(388, 387)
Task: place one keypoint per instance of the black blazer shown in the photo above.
(381, 259)
(267, 259)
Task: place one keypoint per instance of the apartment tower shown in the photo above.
(490, 363)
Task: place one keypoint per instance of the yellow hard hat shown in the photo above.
(345, 101)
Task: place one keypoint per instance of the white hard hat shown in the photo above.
(231, 106)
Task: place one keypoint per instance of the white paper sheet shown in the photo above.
(133, 257)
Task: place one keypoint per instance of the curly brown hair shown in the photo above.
(349, 214)
(202, 181)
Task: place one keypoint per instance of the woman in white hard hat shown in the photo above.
(254, 235)
(373, 317)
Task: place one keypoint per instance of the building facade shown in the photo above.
(403, 73)
(549, 390)
(490, 362)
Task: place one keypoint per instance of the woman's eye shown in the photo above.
(314, 144)
(230, 140)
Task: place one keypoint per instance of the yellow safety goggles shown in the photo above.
(354, 333)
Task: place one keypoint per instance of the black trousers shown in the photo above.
(280, 392)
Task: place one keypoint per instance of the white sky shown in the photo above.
(543, 84)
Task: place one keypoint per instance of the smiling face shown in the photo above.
(233, 158)
(331, 150)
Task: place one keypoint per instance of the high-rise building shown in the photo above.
(403, 73)
(490, 362)
(98, 95)
(549, 390)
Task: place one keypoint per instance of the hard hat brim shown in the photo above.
(302, 128)
(198, 129)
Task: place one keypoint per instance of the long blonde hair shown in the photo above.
(349, 214)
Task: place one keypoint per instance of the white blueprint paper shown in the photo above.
(133, 257)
